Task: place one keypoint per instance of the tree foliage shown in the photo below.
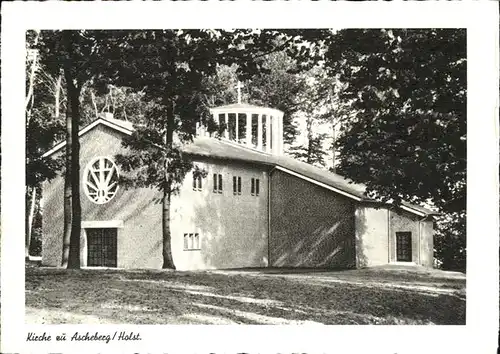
(122, 102)
(44, 125)
(280, 87)
(408, 91)
(312, 151)
(450, 241)
(407, 140)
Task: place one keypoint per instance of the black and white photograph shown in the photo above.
(244, 175)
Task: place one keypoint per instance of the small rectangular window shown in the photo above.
(217, 183)
(197, 183)
(236, 185)
(254, 189)
(196, 241)
(192, 242)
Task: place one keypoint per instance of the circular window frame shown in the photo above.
(88, 178)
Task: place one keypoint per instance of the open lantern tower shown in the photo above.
(256, 127)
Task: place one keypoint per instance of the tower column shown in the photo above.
(249, 128)
(259, 132)
(216, 120)
(226, 131)
(281, 136)
(275, 137)
(236, 129)
(268, 133)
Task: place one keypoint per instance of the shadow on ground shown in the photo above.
(242, 296)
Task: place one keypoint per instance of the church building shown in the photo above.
(256, 207)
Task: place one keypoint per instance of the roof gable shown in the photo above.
(120, 126)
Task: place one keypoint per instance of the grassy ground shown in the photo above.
(268, 296)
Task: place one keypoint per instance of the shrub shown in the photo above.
(450, 247)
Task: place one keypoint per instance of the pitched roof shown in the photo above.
(116, 124)
(122, 123)
(227, 150)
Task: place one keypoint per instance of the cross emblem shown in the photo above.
(238, 87)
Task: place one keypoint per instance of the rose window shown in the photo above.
(100, 180)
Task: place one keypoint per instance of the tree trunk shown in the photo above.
(334, 150)
(92, 96)
(28, 105)
(72, 212)
(76, 224)
(57, 96)
(168, 261)
(309, 158)
(29, 222)
(67, 187)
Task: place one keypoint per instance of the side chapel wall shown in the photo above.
(372, 236)
(376, 230)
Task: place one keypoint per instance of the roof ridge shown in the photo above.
(288, 164)
(240, 146)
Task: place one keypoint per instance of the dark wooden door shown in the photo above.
(403, 246)
(101, 245)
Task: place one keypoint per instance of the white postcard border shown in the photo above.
(481, 21)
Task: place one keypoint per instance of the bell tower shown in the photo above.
(255, 127)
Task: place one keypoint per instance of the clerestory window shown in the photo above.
(255, 187)
(236, 185)
(197, 183)
(192, 242)
(217, 183)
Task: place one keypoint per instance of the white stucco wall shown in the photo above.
(372, 235)
(233, 228)
(427, 243)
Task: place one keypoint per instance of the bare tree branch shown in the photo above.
(34, 65)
